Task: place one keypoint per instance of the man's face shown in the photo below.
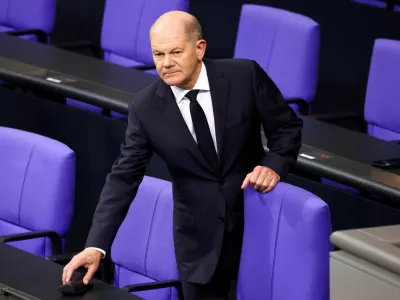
(176, 56)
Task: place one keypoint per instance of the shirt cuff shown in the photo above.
(100, 250)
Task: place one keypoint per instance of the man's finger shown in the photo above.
(254, 176)
(271, 185)
(64, 275)
(89, 274)
(266, 183)
(246, 181)
(260, 181)
(73, 265)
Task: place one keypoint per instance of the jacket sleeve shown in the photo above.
(282, 127)
(121, 185)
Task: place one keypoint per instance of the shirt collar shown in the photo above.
(201, 84)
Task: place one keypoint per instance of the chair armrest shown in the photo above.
(40, 34)
(79, 45)
(153, 286)
(303, 105)
(145, 67)
(52, 235)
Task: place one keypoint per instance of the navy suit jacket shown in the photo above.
(244, 98)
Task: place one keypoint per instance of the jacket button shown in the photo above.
(222, 219)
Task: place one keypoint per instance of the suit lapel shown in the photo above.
(167, 105)
(219, 87)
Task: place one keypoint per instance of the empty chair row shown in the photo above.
(285, 44)
(381, 109)
(33, 20)
(37, 184)
(286, 246)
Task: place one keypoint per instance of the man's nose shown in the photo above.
(167, 63)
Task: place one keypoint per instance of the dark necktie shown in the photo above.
(202, 130)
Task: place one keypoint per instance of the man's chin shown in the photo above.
(171, 80)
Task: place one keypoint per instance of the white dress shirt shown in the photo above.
(203, 98)
(205, 101)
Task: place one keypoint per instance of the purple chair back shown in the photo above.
(37, 180)
(27, 14)
(286, 246)
(284, 44)
(382, 101)
(126, 25)
(143, 249)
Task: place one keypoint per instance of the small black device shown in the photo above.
(75, 286)
(387, 163)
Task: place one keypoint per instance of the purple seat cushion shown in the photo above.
(30, 37)
(37, 185)
(40, 246)
(117, 115)
(84, 106)
(285, 45)
(33, 14)
(382, 102)
(286, 246)
(382, 133)
(126, 62)
(125, 277)
(143, 249)
(340, 186)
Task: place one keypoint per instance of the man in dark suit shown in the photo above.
(203, 117)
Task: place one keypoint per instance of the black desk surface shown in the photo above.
(85, 78)
(41, 278)
(347, 157)
(347, 143)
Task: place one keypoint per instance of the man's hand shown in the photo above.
(88, 258)
(263, 179)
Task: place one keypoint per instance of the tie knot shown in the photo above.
(192, 95)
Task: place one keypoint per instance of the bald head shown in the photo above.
(178, 22)
(178, 48)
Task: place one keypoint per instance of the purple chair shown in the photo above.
(143, 249)
(286, 46)
(32, 20)
(37, 180)
(382, 101)
(285, 253)
(125, 35)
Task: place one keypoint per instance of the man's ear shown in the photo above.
(201, 46)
